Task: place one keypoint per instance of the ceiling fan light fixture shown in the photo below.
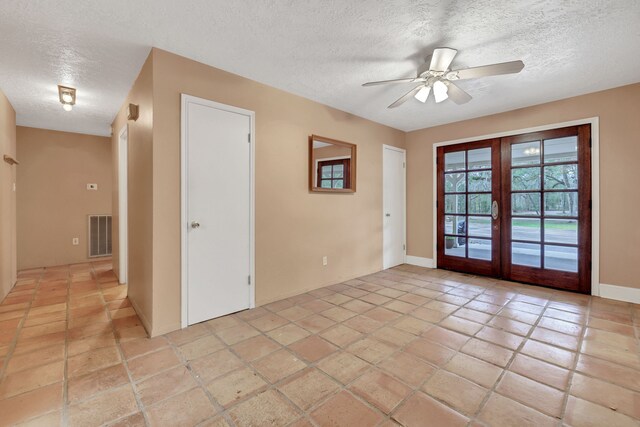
(440, 91)
(423, 94)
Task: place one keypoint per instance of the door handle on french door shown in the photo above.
(195, 224)
(495, 212)
(387, 214)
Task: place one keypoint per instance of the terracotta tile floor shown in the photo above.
(406, 346)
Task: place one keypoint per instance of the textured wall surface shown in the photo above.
(618, 110)
(8, 251)
(53, 200)
(140, 197)
(319, 49)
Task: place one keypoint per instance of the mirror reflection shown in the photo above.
(332, 165)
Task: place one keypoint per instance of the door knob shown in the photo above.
(195, 224)
(494, 210)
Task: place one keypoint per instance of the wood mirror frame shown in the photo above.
(349, 178)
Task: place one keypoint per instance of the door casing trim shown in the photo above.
(595, 185)
(123, 205)
(185, 100)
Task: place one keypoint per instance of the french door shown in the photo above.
(518, 208)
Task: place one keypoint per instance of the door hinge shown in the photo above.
(404, 164)
(248, 280)
(404, 247)
(249, 138)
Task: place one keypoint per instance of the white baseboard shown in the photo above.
(419, 261)
(620, 293)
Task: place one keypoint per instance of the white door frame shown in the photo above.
(123, 200)
(404, 200)
(595, 186)
(184, 198)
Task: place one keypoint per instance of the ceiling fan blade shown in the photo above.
(442, 58)
(490, 70)
(384, 82)
(457, 95)
(406, 96)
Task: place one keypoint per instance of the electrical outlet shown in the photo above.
(75, 241)
(324, 260)
(14, 186)
(92, 186)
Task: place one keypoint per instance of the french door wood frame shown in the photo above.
(458, 234)
(531, 228)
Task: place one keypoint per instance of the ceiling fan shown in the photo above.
(438, 76)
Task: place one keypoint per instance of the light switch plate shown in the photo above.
(92, 186)
(75, 241)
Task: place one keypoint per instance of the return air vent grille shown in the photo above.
(99, 235)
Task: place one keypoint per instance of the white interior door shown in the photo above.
(123, 188)
(217, 215)
(393, 206)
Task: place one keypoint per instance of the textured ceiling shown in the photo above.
(320, 49)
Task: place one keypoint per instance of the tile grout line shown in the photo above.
(573, 369)
(20, 326)
(65, 387)
(124, 361)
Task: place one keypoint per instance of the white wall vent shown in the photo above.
(99, 235)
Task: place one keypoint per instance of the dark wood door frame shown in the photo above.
(488, 268)
(501, 265)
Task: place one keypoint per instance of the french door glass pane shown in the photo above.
(527, 254)
(525, 204)
(455, 182)
(326, 171)
(561, 177)
(454, 224)
(480, 226)
(561, 231)
(480, 204)
(525, 229)
(480, 181)
(561, 204)
(455, 246)
(526, 153)
(561, 258)
(525, 179)
(338, 171)
(480, 158)
(325, 183)
(338, 183)
(454, 161)
(480, 249)
(561, 149)
(455, 203)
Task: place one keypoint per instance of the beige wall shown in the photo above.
(289, 247)
(619, 113)
(331, 151)
(8, 251)
(140, 197)
(53, 200)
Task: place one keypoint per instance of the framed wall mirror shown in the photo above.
(332, 165)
